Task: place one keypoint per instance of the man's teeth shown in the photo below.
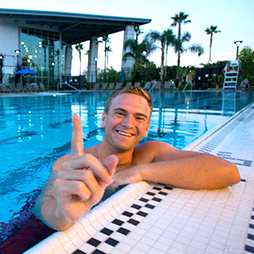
(124, 134)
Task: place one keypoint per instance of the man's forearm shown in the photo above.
(46, 207)
(48, 212)
(200, 172)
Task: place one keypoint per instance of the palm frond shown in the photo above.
(186, 37)
(197, 48)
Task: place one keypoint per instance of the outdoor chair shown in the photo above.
(97, 86)
(5, 88)
(13, 88)
(157, 85)
(35, 87)
(104, 86)
(29, 87)
(148, 85)
(20, 87)
(118, 85)
(42, 87)
(111, 86)
(168, 85)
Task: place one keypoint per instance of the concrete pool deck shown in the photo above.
(153, 218)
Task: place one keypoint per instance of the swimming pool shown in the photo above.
(36, 130)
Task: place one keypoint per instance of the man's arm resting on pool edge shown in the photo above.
(184, 169)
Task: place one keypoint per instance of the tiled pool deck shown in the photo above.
(148, 218)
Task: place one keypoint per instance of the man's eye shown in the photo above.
(139, 118)
(119, 113)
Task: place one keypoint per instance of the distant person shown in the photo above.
(78, 180)
(244, 84)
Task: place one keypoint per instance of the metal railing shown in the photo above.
(73, 87)
(188, 82)
(152, 88)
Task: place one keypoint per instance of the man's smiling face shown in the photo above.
(127, 121)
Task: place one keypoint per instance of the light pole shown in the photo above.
(17, 51)
(1, 68)
(237, 43)
(144, 62)
(96, 60)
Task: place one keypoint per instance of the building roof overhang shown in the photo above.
(74, 27)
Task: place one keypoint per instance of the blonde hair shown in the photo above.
(138, 90)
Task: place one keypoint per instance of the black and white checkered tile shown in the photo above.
(249, 244)
(120, 227)
(236, 161)
(216, 139)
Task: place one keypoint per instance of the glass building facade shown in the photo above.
(41, 52)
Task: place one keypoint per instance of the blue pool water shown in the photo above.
(36, 130)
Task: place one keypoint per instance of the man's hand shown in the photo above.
(81, 182)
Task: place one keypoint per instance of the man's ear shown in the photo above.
(103, 120)
(147, 128)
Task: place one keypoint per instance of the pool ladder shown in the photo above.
(73, 87)
(231, 71)
(188, 82)
(151, 86)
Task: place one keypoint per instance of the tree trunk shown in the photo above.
(162, 66)
(210, 51)
(105, 65)
(79, 63)
(179, 49)
(166, 63)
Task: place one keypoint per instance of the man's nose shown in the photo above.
(128, 120)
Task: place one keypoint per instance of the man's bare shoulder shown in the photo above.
(154, 145)
(150, 150)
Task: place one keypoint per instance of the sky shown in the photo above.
(233, 18)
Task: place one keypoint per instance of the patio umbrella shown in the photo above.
(27, 71)
(122, 76)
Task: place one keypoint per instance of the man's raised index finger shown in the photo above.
(77, 137)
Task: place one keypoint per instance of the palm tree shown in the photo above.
(165, 38)
(79, 48)
(157, 36)
(138, 51)
(178, 20)
(194, 48)
(107, 49)
(170, 41)
(138, 32)
(211, 31)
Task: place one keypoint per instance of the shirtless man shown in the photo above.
(77, 181)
